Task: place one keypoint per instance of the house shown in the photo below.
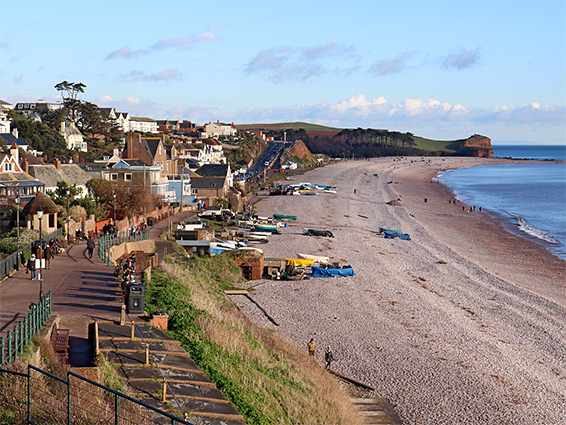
(73, 137)
(14, 180)
(209, 189)
(143, 125)
(11, 138)
(217, 170)
(289, 165)
(164, 126)
(218, 129)
(135, 170)
(33, 108)
(122, 119)
(213, 152)
(50, 174)
(151, 151)
(187, 127)
(4, 121)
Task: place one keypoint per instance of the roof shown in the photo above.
(142, 119)
(208, 183)
(40, 200)
(72, 174)
(213, 170)
(10, 138)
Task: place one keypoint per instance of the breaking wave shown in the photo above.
(532, 230)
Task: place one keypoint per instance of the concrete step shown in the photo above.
(376, 411)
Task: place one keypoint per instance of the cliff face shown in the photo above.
(298, 152)
(476, 145)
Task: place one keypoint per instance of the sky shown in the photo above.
(442, 69)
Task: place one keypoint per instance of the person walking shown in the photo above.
(48, 253)
(31, 267)
(328, 357)
(90, 247)
(311, 347)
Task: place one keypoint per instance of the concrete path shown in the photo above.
(82, 289)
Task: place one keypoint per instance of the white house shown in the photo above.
(142, 124)
(73, 137)
(218, 129)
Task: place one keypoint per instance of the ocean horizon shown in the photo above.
(529, 199)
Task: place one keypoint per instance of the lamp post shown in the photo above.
(114, 193)
(18, 229)
(68, 218)
(40, 218)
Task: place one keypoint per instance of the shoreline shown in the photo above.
(462, 324)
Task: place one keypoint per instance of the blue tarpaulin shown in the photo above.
(389, 235)
(320, 272)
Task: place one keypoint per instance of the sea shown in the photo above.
(529, 199)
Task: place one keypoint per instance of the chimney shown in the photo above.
(76, 159)
(57, 164)
(15, 152)
(62, 126)
(25, 166)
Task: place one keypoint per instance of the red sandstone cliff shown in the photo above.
(476, 145)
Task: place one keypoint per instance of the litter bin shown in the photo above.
(135, 298)
(150, 221)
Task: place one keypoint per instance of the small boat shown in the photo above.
(265, 227)
(284, 217)
(316, 258)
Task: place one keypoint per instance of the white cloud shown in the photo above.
(18, 79)
(391, 66)
(104, 99)
(133, 100)
(461, 59)
(286, 63)
(161, 76)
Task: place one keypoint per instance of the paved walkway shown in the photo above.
(82, 289)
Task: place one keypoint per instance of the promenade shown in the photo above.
(82, 289)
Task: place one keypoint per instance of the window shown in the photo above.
(128, 177)
(195, 191)
(114, 176)
(51, 220)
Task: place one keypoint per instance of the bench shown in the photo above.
(60, 343)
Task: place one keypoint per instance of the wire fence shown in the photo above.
(50, 399)
(12, 346)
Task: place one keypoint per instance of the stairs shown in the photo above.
(376, 411)
(187, 389)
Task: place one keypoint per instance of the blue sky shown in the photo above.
(438, 69)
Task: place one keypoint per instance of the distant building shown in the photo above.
(218, 129)
(73, 137)
(143, 124)
(50, 174)
(14, 180)
(33, 108)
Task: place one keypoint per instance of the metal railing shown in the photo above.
(106, 241)
(12, 346)
(76, 400)
(10, 263)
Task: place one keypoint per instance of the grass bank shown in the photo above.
(269, 380)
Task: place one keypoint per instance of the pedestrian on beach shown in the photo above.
(354, 190)
(311, 347)
(31, 267)
(328, 357)
(48, 255)
(425, 200)
(90, 247)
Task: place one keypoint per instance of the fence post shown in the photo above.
(2, 348)
(69, 420)
(16, 340)
(116, 409)
(9, 336)
(29, 394)
(22, 340)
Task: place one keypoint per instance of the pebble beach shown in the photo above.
(463, 324)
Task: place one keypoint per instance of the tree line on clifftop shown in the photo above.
(357, 142)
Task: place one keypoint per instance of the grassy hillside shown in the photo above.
(436, 145)
(269, 380)
(287, 125)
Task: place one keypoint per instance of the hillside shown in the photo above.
(372, 142)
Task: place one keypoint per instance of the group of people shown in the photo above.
(328, 354)
(44, 253)
(128, 270)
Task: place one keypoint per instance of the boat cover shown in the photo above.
(384, 229)
(297, 262)
(405, 236)
(316, 258)
(320, 272)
